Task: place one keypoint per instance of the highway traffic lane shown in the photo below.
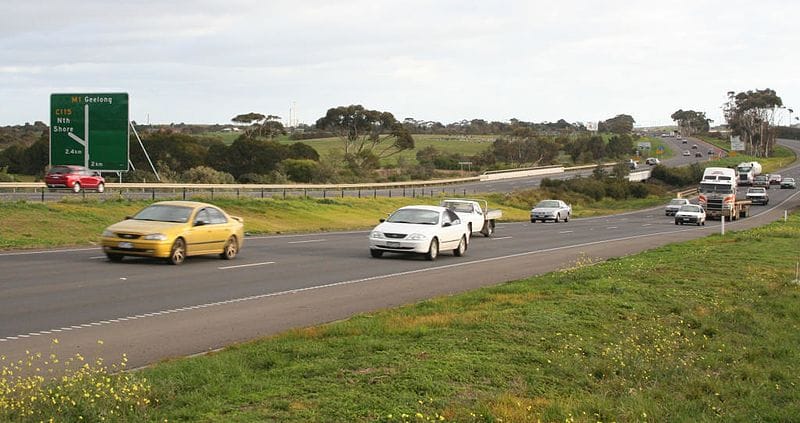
(101, 290)
(152, 336)
(157, 336)
(35, 284)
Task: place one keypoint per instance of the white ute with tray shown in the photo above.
(477, 214)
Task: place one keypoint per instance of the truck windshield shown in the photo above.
(716, 189)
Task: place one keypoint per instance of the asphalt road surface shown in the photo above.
(151, 311)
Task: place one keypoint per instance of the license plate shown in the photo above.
(125, 245)
(392, 244)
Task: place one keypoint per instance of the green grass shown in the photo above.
(659, 336)
(30, 225)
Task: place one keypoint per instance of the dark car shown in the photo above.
(74, 178)
(698, 154)
(761, 181)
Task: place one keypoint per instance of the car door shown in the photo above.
(198, 238)
(219, 228)
(451, 230)
(87, 179)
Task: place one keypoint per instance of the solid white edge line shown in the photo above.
(353, 281)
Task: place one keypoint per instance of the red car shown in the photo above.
(74, 178)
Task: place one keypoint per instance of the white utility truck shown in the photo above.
(476, 213)
(718, 194)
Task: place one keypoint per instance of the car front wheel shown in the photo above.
(76, 188)
(101, 187)
(116, 258)
(178, 253)
(433, 250)
(376, 253)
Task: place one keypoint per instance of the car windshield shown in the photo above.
(677, 202)
(415, 216)
(788, 179)
(691, 208)
(716, 188)
(164, 213)
(547, 204)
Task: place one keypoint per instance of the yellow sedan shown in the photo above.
(175, 230)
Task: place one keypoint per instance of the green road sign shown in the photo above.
(97, 120)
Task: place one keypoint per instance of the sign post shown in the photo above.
(90, 130)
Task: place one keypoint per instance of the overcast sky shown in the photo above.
(204, 61)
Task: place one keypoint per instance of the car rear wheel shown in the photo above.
(76, 188)
(433, 250)
(566, 219)
(178, 253)
(376, 253)
(558, 217)
(116, 258)
(488, 228)
(462, 247)
(231, 249)
(101, 187)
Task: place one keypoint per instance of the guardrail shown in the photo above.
(133, 190)
(688, 193)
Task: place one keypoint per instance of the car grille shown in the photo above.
(128, 236)
(395, 236)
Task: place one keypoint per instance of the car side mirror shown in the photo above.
(200, 223)
(446, 224)
(381, 220)
(95, 173)
(128, 217)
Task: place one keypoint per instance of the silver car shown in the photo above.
(674, 205)
(554, 210)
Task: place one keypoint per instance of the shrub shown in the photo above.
(206, 175)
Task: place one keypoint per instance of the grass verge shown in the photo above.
(36, 225)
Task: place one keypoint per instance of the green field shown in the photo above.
(466, 145)
(666, 335)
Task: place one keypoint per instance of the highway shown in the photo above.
(152, 311)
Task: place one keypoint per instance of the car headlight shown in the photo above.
(155, 237)
(376, 235)
(416, 237)
(107, 234)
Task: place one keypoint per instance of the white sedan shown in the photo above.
(554, 210)
(690, 213)
(423, 230)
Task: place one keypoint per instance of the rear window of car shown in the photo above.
(60, 169)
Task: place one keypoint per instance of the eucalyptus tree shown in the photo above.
(751, 115)
(367, 135)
